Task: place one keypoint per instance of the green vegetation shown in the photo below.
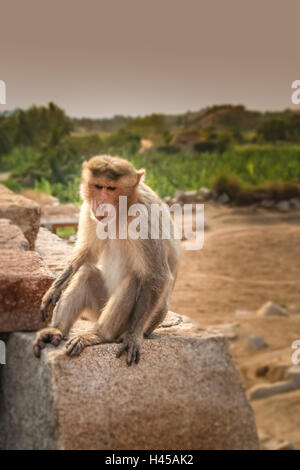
(65, 232)
(226, 147)
(251, 165)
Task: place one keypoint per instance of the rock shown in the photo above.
(243, 313)
(190, 196)
(57, 211)
(295, 203)
(24, 278)
(186, 197)
(172, 319)
(72, 239)
(273, 445)
(12, 237)
(205, 193)
(267, 203)
(179, 324)
(42, 199)
(270, 445)
(256, 342)
(262, 436)
(283, 206)
(223, 199)
(22, 212)
(293, 372)
(184, 394)
(294, 308)
(286, 445)
(179, 195)
(270, 309)
(54, 251)
(226, 329)
(267, 390)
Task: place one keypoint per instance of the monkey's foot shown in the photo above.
(76, 345)
(131, 346)
(47, 335)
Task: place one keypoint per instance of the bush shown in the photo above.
(230, 184)
(42, 186)
(206, 146)
(65, 232)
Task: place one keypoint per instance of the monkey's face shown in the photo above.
(105, 179)
(102, 194)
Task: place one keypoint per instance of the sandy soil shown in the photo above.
(250, 256)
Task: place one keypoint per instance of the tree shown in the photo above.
(273, 130)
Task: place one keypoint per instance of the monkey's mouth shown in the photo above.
(102, 217)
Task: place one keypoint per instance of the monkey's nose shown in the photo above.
(104, 211)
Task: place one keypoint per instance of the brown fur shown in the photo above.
(128, 296)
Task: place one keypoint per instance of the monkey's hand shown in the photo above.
(50, 298)
(131, 345)
(76, 345)
(47, 335)
(53, 294)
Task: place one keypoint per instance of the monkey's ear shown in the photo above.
(84, 164)
(140, 176)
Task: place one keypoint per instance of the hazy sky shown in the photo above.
(104, 57)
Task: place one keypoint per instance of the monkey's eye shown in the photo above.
(111, 188)
(98, 186)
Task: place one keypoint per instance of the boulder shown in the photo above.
(286, 445)
(256, 342)
(205, 193)
(267, 390)
(226, 329)
(24, 278)
(11, 236)
(295, 203)
(294, 308)
(41, 198)
(270, 309)
(22, 212)
(243, 313)
(179, 195)
(293, 373)
(184, 394)
(267, 203)
(190, 197)
(223, 199)
(283, 206)
(54, 251)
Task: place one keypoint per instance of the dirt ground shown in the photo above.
(250, 256)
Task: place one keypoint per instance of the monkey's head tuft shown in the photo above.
(110, 167)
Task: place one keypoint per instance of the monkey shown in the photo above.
(123, 284)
